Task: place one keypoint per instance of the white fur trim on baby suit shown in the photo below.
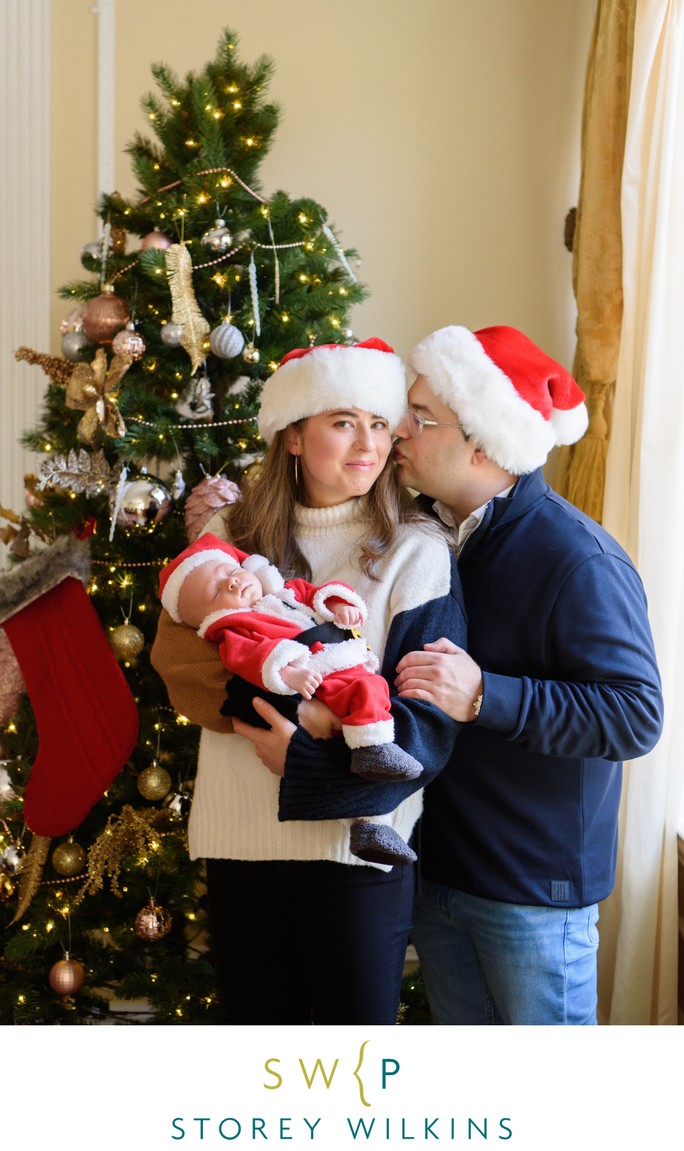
(341, 656)
(368, 734)
(171, 594)
(339, 591)
(288, 651)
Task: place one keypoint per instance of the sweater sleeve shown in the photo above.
(601, 698)
(318, 783)
(192, 670)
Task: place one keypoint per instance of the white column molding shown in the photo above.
(105, 10)
(25, 196)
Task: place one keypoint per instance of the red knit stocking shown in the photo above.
(86, 716)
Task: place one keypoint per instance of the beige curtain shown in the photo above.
(644, 498)
(597, 248)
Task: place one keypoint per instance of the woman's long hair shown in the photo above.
(263, 520)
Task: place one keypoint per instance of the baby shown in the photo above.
(267, 632)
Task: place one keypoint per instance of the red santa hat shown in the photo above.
(510, 397)
(308, 381)
(210, 547)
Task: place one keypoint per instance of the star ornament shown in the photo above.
(92, 390)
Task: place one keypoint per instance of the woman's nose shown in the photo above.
(364, 436)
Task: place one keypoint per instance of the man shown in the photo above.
(560, 684)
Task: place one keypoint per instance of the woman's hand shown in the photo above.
(270, 744)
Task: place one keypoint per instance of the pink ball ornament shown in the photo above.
(155, 240)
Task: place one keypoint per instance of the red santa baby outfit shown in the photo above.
(259, 642)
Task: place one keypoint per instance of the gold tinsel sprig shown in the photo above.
(56, 368)
(127, 833)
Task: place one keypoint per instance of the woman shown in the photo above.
(302, 931)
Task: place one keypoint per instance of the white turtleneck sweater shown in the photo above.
(234, 813)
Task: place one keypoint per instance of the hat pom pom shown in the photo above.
(269, 577)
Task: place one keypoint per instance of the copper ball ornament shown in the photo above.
(152, 922)
(67, 976)
(226, 341)
(128, 343)
(154, 782)
(104, 316)
(127, 641)
(155, 239)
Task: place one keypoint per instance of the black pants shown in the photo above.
(313, 942)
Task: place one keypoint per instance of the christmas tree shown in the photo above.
(196, 289)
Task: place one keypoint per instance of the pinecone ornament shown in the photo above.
(211, 494)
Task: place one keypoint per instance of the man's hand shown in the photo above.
(270, 745)
(444, 675)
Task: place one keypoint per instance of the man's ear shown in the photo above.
(479, 457)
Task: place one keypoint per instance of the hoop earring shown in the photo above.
(296, 471)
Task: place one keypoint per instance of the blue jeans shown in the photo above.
(489, 962)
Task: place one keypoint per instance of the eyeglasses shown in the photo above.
(416, 423)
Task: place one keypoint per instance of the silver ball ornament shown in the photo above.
(6, 790)
(217, 238)
(12, 859)
(144, 503)
(73, 321)
(93, 250)
(226, 341)
(177, 805)
(77, 347)
(171, 335)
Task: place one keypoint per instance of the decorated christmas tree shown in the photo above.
(195, 290)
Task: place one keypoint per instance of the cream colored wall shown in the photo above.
(443, 139)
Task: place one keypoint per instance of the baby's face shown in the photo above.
(217, 585)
